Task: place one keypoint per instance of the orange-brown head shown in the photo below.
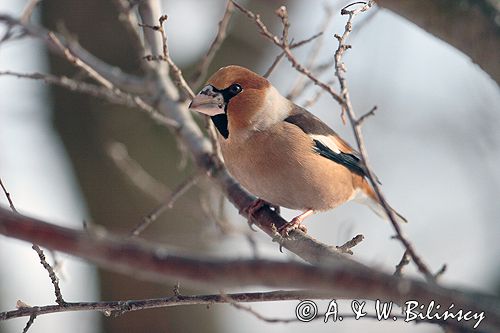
(239, 99)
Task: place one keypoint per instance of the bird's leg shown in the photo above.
(295, 223)
(252, 209)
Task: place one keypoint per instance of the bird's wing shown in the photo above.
(327, 143)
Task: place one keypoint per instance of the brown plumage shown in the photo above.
(279, 151)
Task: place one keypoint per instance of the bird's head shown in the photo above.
(238, 99)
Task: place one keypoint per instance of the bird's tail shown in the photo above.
(368, 197)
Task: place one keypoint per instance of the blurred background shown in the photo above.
(434, 143)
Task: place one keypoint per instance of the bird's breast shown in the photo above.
(281, 167)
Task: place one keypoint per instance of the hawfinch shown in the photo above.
(279, 151)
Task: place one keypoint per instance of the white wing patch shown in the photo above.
(327, 141)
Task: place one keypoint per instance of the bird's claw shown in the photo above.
(252, 209)
(294, 224)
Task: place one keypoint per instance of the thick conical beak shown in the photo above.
(208, 102)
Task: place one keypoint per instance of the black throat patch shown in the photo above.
(220, 122)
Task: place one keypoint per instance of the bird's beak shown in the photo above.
(208, 101)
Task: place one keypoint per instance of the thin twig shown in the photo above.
(314, 99)
(347, 246)
(168, 204)
(286, 49)
(152, 303)
(138, 101)
(82, 87)
(43, 260)
(305, 41)
(370, 113)
(293, 45)
(274, 64)
(28, 10)
(52, 275)
(125, 81)
(356, 127)
(405, 260)
(7, 195)
(441, 271)
(165, 56)
(30, 322)
(135, 172)
(202, 68)
(129, 20)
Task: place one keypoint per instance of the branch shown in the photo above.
(121, 307)
(158, 264)
(346, 248)
(288, 53)
(113, 74)
(82, 87)
(165, 56)
(167, 204)
(356, 127)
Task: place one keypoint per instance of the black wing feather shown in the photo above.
(350, 161)
(312, 125)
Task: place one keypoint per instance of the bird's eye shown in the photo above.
(235, 89)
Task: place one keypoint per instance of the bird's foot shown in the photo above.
(294, 224)
(252, 209)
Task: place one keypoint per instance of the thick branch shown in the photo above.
(471, 26)
(339, 281)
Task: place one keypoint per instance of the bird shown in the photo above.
(279, 151)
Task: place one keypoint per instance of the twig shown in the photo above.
(314, 99)
(153, 303)
(441, 271)
(138, 101)
(168, 204)
(286, 49)
(282, 13)
(30, 322)
(135, 173)
(370, 113)
(52, 275)
(124, 81)
(293, 45)
(129, 20)
(28, 10)
(274, 64)
(165, 56)
(202, 68)
(305, 41)
(347, 246)
(405, 260)
(7, 195)
(83, 87)
(356, 126)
